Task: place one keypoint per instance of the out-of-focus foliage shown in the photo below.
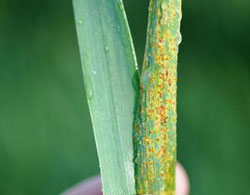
(46, 141)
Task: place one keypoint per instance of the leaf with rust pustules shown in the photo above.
(155, 122)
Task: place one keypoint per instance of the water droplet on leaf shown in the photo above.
(119, 28)
(79, 21)
(106, 48)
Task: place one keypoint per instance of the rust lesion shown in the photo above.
(156, 156)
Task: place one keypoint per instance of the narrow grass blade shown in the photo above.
(155, 130)
(109, 69)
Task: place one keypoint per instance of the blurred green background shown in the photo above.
(46, 140)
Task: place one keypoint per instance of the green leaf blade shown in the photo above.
(109, 69)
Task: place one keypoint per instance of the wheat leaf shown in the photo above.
(110, 71)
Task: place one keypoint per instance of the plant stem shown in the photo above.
(155, 125)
